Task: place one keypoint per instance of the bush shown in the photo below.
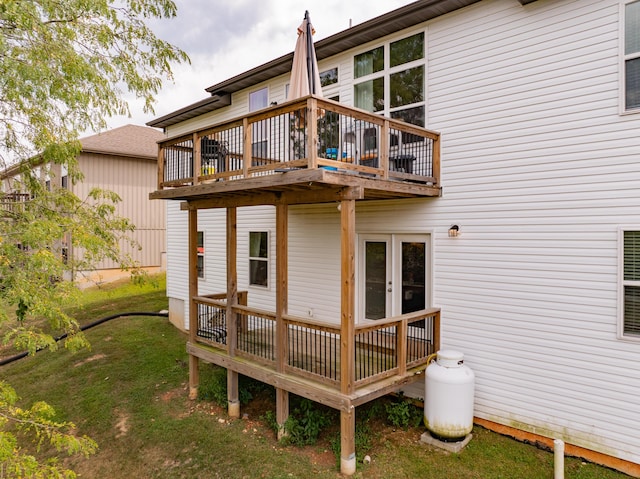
(303, 426)
(403, 413)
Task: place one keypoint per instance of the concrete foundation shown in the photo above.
(456, 446)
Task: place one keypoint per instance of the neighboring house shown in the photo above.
(537, 167)
(122, 160)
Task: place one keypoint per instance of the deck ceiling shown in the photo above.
(307, 186)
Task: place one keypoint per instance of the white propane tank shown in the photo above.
(448, 403)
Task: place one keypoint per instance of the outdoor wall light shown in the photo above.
(454, 231)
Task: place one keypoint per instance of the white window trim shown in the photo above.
(622, 63)
(622, 283)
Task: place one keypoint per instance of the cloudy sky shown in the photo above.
(224, 38)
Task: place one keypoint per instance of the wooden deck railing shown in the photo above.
(13, 202)
(383, 348)
(307, 133)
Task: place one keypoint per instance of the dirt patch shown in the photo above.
(122, 425)
(95, 357)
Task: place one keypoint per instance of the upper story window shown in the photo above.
(629, 271)
(632, 55)
(329, 77)
(258, 100)
(390, 79)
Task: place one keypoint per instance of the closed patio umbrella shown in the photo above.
(305, 78)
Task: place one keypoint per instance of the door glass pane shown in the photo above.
(413, 277)
(375, 279)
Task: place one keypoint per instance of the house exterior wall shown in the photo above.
(539, 170)
(132, 179)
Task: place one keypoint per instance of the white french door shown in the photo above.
(393, 272)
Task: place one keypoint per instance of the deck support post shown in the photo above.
(194, 371)
(347, 441)
(233, 390)
(282, 287)
(347, 333)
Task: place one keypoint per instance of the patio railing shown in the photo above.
(383, 348)
(307, 133)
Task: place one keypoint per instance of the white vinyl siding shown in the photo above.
(538, 170)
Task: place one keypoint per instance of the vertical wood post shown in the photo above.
(347, 299)
(383, 153)
(436, 160)
(312, 133)
(194, 373)
(233, 392)
(160, 166)
(197, 159)
(347, 441)
(401, 347)
(247, 151)
(436, 332)
(282, 305)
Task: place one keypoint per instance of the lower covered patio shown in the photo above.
(342, 363)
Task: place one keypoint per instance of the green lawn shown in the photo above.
(129, 393)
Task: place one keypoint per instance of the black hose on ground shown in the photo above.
(23, 354)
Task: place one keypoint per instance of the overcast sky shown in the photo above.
(224, 38)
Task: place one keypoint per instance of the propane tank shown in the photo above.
(449, 390)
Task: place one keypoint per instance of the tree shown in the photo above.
(65, 67)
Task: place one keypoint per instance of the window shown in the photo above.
(630, 288)
(393, 84)
(258, 100)
(259, 258)
(329, 77)
(632, 55)
(65, 181)
(200, 260)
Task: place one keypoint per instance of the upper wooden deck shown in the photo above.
(310, 150)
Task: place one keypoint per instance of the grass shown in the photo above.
(129, 393)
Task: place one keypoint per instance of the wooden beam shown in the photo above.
(347, 298)
(194, 375)
(436, 160)
(298, 197)
(384, 149)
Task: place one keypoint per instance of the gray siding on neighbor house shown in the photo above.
(132, 179)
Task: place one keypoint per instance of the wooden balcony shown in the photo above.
(13, 202)
(387, 353)
(305, 151)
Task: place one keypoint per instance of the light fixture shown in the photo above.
(454, 231)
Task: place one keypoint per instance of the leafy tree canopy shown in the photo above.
(66, 66)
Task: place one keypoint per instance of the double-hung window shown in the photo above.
(632, 55)
(629, 272)
(390, 79)
(200, 260)
(259, 258)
